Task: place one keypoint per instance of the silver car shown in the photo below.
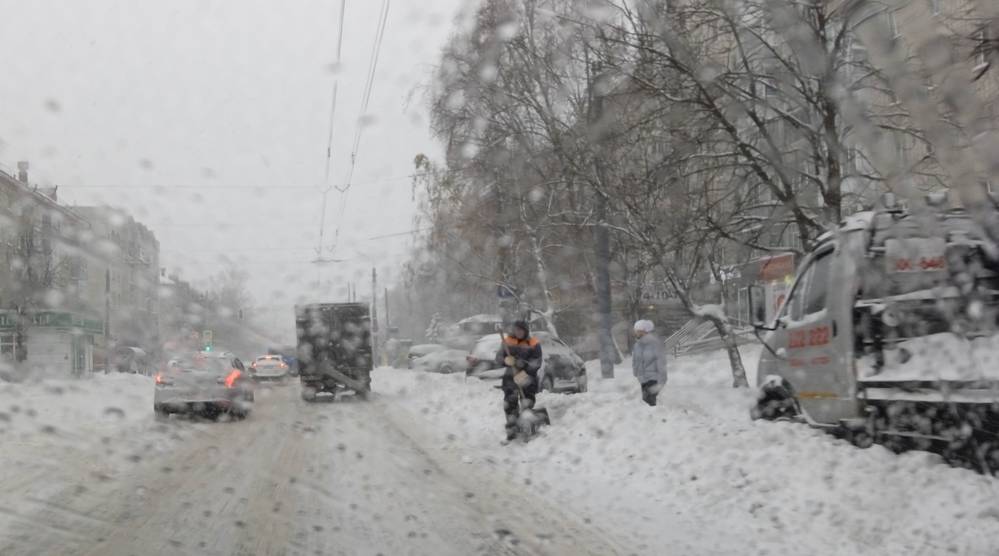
(269, 368)
(203, 386)
(561, 369)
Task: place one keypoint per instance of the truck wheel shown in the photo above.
(308, 393)
(775, 400)
(861, 438)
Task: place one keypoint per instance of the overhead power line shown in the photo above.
(329, 141)
(368, 87)
(360, 123)
(224, 186)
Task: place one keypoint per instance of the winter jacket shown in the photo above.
(526, 352)
(648, 360)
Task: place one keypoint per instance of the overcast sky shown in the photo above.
(109, 98)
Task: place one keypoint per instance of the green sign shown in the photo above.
(52, 319)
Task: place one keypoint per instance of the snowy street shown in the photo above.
(420, 470)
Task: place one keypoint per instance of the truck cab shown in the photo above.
(889, 331)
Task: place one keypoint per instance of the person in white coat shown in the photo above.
(648, 360)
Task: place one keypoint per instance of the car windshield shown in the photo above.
(757, 242)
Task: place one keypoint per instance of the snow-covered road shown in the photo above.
(295, 478)
(419, 470)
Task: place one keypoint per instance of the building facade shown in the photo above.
(131, 276)
(50, 315)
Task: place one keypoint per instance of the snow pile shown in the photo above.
(695, 475)
(72, 406)
(104, 419)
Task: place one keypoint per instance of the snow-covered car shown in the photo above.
(421, 350)
(269, 368)
(444, 361)
(204, 386)
(561, 369)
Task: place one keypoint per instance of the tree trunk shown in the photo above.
(542, 274)
(734, 357)
(716, 316)
(605, 326)
(724, 329)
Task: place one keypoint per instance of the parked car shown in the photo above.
(466, 332)
(444, 361)
(561, 369)
(420, 350)
(269, 368)
(208, 386)
(130, 359)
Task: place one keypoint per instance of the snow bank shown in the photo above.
(71, 406)
(695, 475)
(106, 419)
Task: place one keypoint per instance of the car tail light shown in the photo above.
(162, 380)
(231, 378)
(284, 365)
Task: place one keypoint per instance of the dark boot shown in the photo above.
(648, 396)
(511, 406)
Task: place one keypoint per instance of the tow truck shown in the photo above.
(334, 348)
(890, 335)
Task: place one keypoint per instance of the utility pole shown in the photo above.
(601, 233)
(107, 319)
(388, 323)
(374, 314)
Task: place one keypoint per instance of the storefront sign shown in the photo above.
(51, 319)
(776, 268)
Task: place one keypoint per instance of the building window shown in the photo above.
(8, 347)
(901, 147)
(981, 46)
(893, 25)
(853, 159)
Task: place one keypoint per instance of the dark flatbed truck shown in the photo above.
(334, 348)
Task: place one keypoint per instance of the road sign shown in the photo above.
(505, 292)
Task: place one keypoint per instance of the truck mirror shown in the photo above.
(757, 309)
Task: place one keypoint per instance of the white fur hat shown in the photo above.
(644, 326)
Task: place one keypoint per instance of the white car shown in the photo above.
(269, 368)
(421, 350)
(445, 361)
(561, 369)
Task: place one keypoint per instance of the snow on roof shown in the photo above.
(482, 318)
(858, 221)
